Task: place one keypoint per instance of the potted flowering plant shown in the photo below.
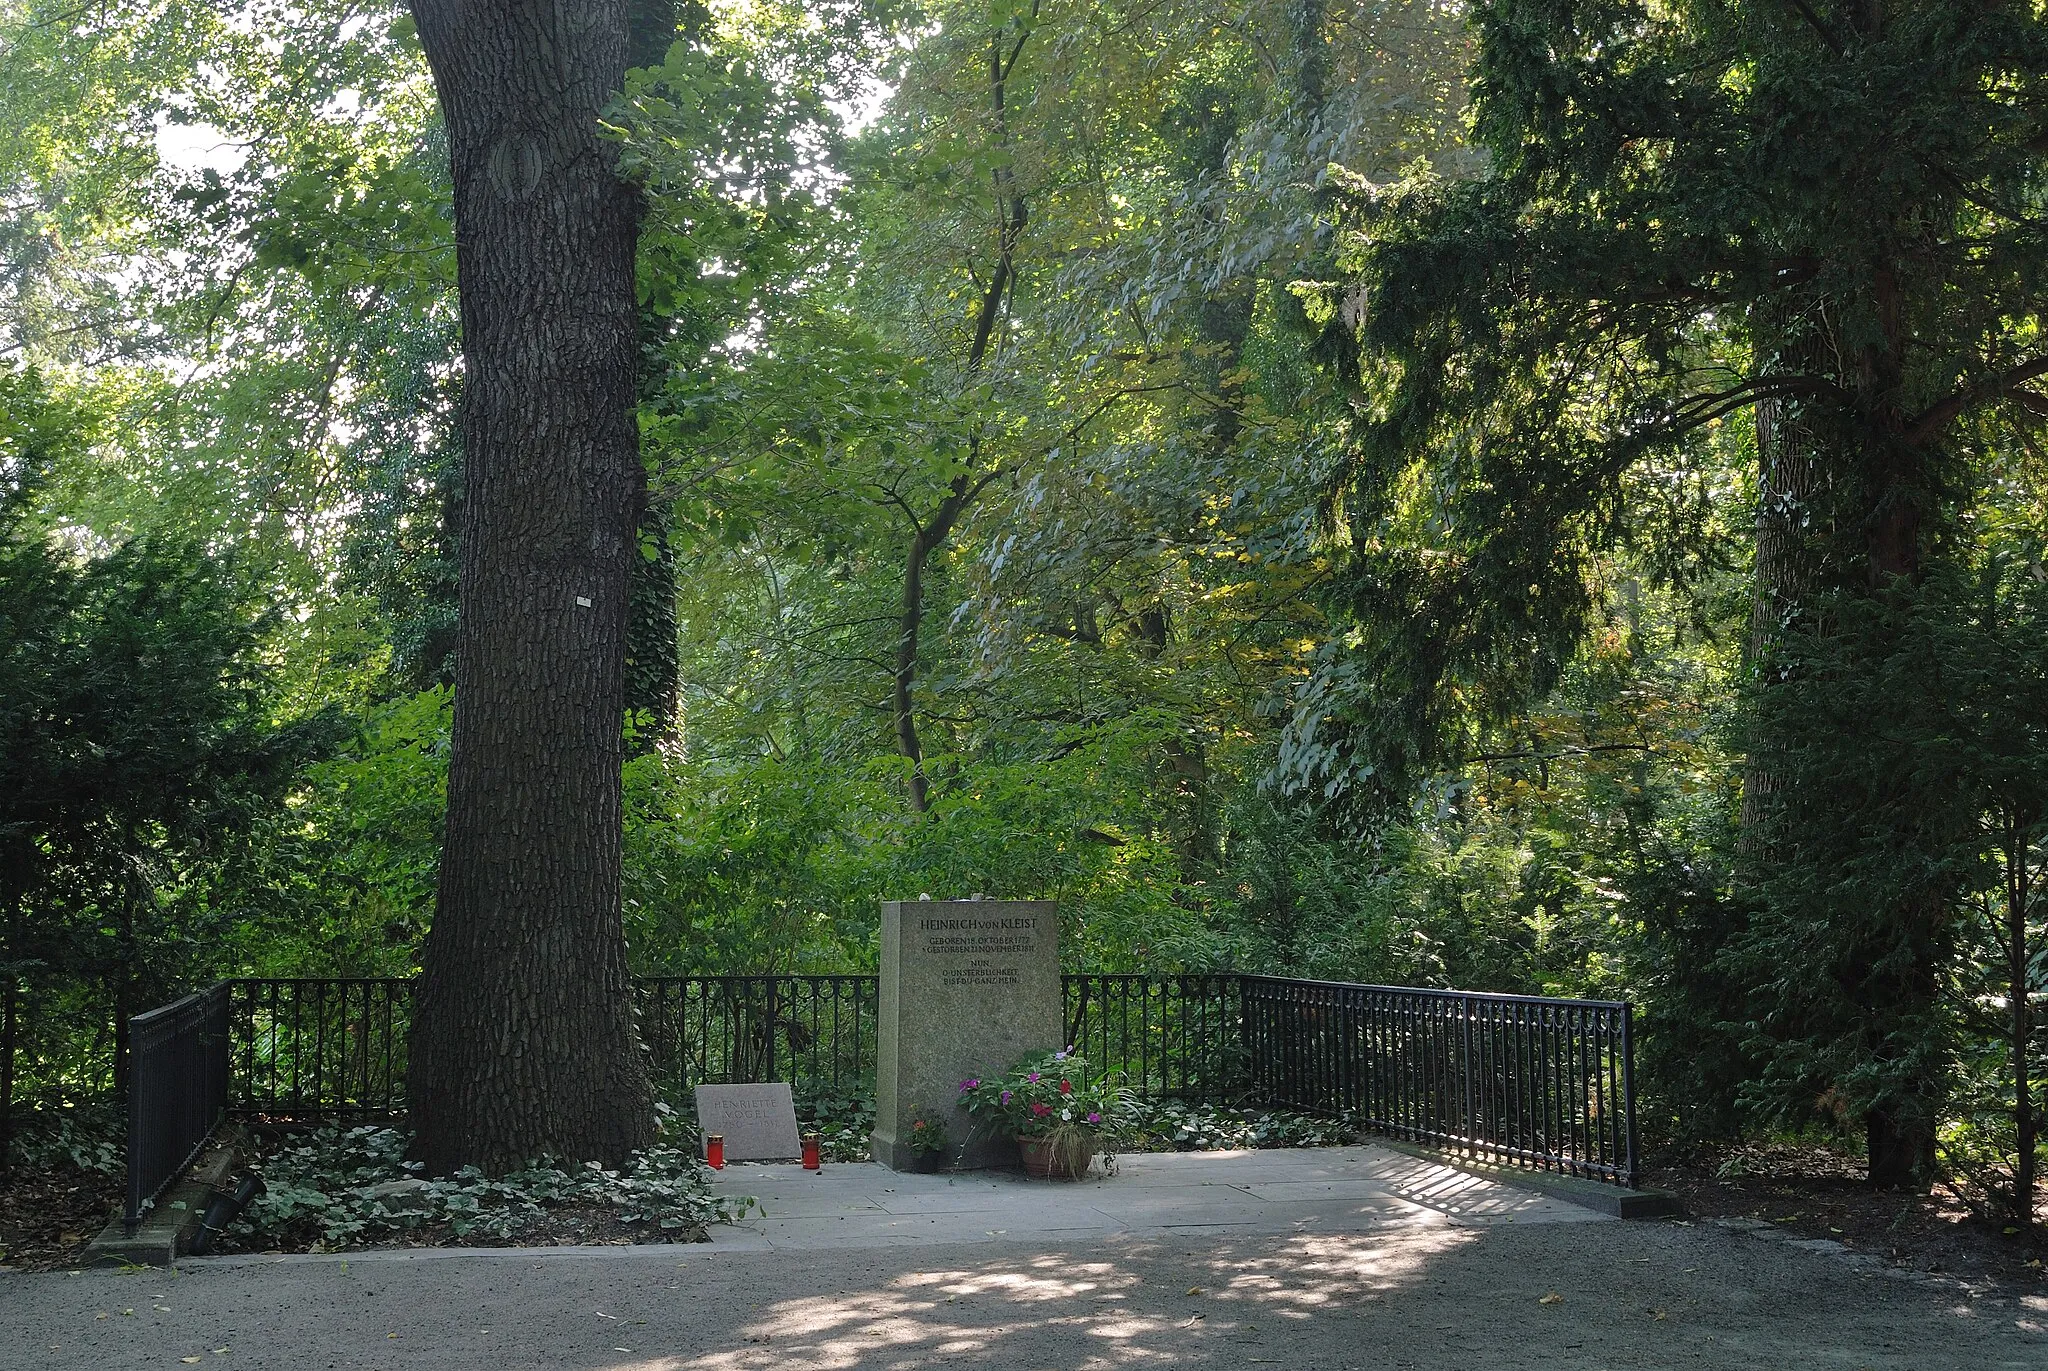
(927, 1140)
(1055, 1106)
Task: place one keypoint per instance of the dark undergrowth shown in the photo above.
(1811, 1190)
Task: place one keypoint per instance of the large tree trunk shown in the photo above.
(522, 1037)
(1785, 572)
(2019, 994)
(1817, 516)
(10, 999)
(1898, 490)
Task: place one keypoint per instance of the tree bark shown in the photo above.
(1841, 502)
(1897, 488)
(1783, 579)
(924, 541)
(1194, 838)
(522, 1036)
(10, 998)
(2019, 992)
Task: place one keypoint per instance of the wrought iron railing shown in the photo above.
(1513, 1078)
(816, 1032)
(331, 1049)
(177, 1091)
(1174, 1037)
(1517, 1079)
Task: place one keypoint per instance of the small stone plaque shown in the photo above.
(758, 1121)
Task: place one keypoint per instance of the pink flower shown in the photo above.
(1095, 1118)
(1066, 1088)
(1040, 1109)
(969, 1084)
(1006, 1097)
(1032, 1077)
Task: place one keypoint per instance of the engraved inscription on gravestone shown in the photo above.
(968, 987)
(758, 1121)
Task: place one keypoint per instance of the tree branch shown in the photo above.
(1827, 35)
(1923, 426)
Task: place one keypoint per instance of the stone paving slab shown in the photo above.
(1332, 1190)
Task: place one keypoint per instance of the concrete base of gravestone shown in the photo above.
(968, 988)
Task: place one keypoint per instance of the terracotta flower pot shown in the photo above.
(1062, 1159)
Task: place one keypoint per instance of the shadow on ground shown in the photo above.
(1435, 1297)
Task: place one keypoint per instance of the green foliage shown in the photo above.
(342, 881)
(1694, 212)
(1046, 1095)
(1348, 503)
(1945, 685)
(845, 1126)
(90, 1137)
(340, 1188)
(137, 741)
(1547, 354)
(927, 1136)
(1176, 1126)
(779, 866)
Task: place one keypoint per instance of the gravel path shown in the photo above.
(1427, 1289)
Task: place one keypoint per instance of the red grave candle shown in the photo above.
(810, 1151)
(714, 1150)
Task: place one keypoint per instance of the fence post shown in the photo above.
(1465, 1070)
(1630, 1169)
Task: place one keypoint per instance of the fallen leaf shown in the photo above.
(188, 1360)
(1552, 1298)
(1194, 1290)
(1658, 1315)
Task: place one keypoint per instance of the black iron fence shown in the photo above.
(331, 1049)
(1517, 1079)
(1513, 1078)
(816, 1032)
(1169, 1037)
(177, 1091)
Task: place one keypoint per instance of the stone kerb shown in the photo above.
(968, 987)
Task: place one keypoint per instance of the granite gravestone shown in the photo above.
(758, 1121)
(968, 988)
